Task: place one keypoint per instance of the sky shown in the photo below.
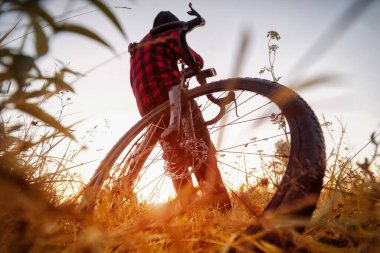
(104, 98)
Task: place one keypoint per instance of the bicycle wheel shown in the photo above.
(269, 138)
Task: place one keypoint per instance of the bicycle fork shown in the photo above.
(175, 114)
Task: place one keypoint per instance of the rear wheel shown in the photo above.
(270, 138)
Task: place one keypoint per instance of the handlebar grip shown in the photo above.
(167, 27)
(198, 21)
(194, 23)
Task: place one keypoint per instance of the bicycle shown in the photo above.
(235, 102)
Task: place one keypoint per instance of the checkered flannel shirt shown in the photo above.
(154, 68)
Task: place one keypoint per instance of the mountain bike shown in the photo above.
(266, 135)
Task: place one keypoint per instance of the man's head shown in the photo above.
(164, 17)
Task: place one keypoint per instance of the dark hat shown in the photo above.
(164, 17)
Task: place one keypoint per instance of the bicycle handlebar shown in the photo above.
(198, 21)
(167, 27)
(194, 69)
(184, 28)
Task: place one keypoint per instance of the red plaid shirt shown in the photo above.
(154, 68)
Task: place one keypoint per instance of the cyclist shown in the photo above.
(154, 77)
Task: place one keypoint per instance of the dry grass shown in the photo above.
(347, 220)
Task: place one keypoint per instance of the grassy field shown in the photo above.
(35, 218)
(39, 212)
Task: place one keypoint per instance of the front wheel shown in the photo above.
(270, 138)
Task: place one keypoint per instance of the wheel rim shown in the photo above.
(243, 158)
(306, 160)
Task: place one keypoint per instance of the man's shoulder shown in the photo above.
(150, 40)
(159, 38)
(146, 37)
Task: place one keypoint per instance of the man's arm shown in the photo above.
(198, 58)
(176, 47)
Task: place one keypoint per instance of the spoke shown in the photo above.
(145, 168)
(209, 103)
(235, 106)
(156, 190)
(255, 141)
(229, 107)
(135, 145)
(153, 180)
(260, 107)
(256, 154)
(240, 170)
(138, 138)
(217, 128)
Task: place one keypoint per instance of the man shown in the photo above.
(154, 78)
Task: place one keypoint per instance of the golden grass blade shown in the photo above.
(38, 113)
(82, 31)
(8, 33)
(317, 81)
(41, 39)
(107, 11)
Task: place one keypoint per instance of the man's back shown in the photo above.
(154, 68)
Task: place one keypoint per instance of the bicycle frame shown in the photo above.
(186, 131)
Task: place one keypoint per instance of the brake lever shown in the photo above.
(193, 12)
